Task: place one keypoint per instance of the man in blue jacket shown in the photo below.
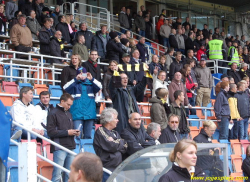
(83, 89)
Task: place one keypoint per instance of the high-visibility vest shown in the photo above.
(235, 58)
(215, 49)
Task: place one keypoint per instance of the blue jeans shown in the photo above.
(142, 33)
(191, 101)
(87, 127)
(224, 128)
(63, 159)
(233, 133)
(166, 42)
(245, 126)
(24, 133)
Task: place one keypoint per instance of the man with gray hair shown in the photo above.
(154, 130)
(244, 71)
(108, 144)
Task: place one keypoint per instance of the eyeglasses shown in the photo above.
(172, 122)
(124, 78)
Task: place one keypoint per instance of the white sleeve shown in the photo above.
(39, 118)
(18, 115)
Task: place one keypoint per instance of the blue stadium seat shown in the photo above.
(216, 134)
(209, 112)
(77, 149)
(87, 144)
(15, 72)
(13, 169)
(21, 85)
(194, 123)
(13, 152)
(228, 146)
(55, 90)
(54, 102)
(35, 101)
(217, 75)
(243, 156)
(150, 48)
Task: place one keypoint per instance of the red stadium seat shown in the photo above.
(45, 169)
(10, 87)
(237, 163)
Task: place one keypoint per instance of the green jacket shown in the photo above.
(81, 50)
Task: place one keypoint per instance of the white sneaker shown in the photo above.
(17, 135)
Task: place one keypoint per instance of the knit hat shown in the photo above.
(124, 41)
(113, 35)
(81, 70)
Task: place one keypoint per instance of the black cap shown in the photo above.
(113, 35)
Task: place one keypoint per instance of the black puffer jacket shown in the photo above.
(177, 173)
(44, 38)
(243, 104)
(63, 27)
(114, 50)
(246, 168)
(59, 122)
(55, 50)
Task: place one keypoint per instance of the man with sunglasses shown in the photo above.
(171, 133)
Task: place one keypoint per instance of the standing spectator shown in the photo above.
(33, 25)
(135, 135)
(180, 41)
(45, 34)
(128, 12)
(177, 23)
(177, 84)
(38, 10)
(144, 56)
(158, 27)
(171, 133)
(184, 34)
(11, 8)
(246, 164)
(91, 65)
(114, 47)
(205, 32)
(222, 110)
(20, 35)
(108, 144)
(68, 20)
(83, 89)
(201, 53)
(205, 83)
(189, 43)
(135, 60)
(148, 29)
(60, 130)
(57, 48)
(176, 65)
(124, 98)
(140, 24)
(245, 55)
(132, 77)
(177, 108)
(186, 22)
(106, 79)
(55, 15)
(27, 7)
(190, 55)
(244, 111)
(169, 57)
(100, 41)
(234, 73)
(242, 41)
(165, 31)
(70, 72)
(233, 55)
(191, 62)
(172, 40)
(123, 20)
(125, 46)
(81, 49)
(45, 14)
(63, 27)
(159, 108)
(3, 20)
(132, 44)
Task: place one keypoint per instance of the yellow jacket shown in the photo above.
(234, 113)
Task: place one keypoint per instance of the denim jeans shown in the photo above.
(233, 133)
(245, 126)
(24, 133)
(87, 127)
(64, 159)
(191, 101)
(224, 128)
(166, 42)
(142, 33)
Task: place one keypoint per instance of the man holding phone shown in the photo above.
(60, 130)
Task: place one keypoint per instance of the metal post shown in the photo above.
(153, 28)
(41, 69)
(28, 135)
(72, 8)
(11, 70)
(98, 19)
(108, 20)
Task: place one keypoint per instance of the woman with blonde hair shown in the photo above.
(184, 160)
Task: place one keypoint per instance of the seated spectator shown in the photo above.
(163, 65)
(80, 48)
(171, 133)
(132, 44)
(234, 73)
(148, 29)
(140, 24)
(14, 20)
(70, 72)
(43, 108)
(160, 108)
(222, 110)
(3, 20)
(45, 14)
(57, 48)
(176, 65)
(223, 78)
(180, 41)
(201, 53)
(20, 35)
(177, 108)
(33, 25)
(56, 13)
(191, 62)
(60, 130)
(165, 31)
(135, 135)
(206, 157)
(124, 98)
(92, 66)
(135, 60)
(132, 77)
(244, 71)
(159, 78)
(11, 8)
(154, 130)
(123, 20)
(125, 45)
(63, 27)
(68, 20)
(113, 65)
(128, 34)
(169, 56)
(24, 113)
(144, 56)
(37, 6)
(246, 164)
(205, 83)
(45, 34)
(83, 89)
(88, 35)
(100, 41)
(108, 144)
(172, 40)
(114, 47)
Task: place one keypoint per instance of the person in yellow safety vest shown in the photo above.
(216, 51)
(233, 55)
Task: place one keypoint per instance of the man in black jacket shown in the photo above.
(114, 48)
(135, 135)
(172, 39)
(189, 43)
(205, 32)
(171, 133)
(88, 35)
(60, 130)
(176, 65)
(131, 74)
(63, 27)
(144, 56)
(234, 73)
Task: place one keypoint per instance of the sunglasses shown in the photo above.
(172, 122)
